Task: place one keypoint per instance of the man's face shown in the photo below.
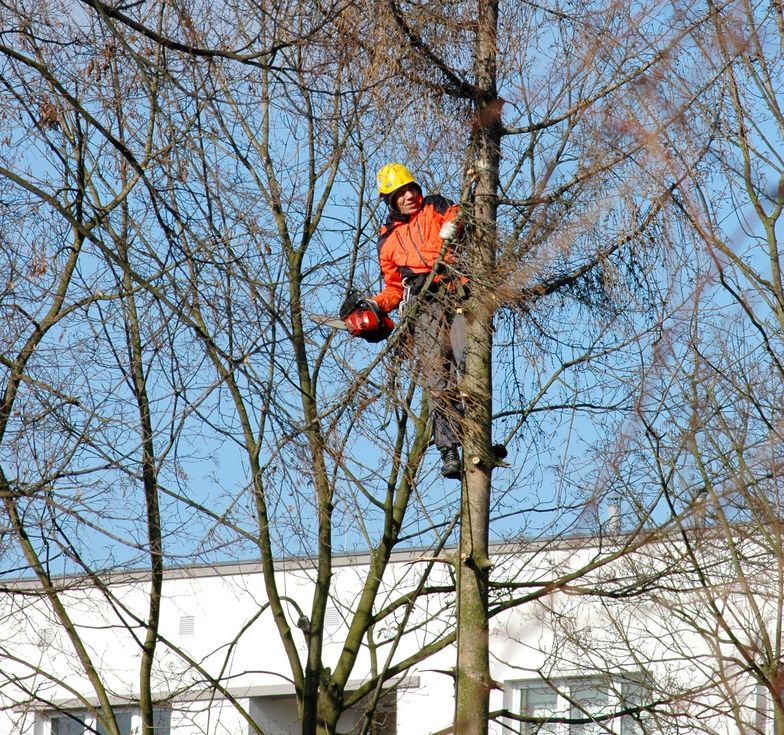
(407, 199)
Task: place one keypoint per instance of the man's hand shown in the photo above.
(355, 300)
(448, 231)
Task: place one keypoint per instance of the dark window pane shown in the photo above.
(65, 725)
(123, 718)
(587, 701)
(541, 703)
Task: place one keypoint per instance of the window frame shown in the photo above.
(618, 692)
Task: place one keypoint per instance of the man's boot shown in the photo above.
(451, 467)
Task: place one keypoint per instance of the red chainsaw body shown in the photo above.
(369, 325)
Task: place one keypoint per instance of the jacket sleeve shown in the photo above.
(392, 293)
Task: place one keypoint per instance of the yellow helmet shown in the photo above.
(391, 177)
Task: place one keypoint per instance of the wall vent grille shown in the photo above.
(187, 624)
(332, 617)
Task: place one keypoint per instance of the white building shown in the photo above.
(577, 650)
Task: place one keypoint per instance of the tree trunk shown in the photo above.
(473, 680)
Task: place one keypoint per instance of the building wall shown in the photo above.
(215, 625)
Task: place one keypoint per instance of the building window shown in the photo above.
(128, 720)
(278, 715)
(576, 707)
(74, 724)
(124, 722)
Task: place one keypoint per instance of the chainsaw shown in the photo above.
(368, 324)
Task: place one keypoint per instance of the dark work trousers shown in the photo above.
(439, 349)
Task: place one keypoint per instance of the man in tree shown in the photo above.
(413, 242)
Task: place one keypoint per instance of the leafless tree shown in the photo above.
(183, 186)
(698, 609)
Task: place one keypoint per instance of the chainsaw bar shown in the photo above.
(328, 321)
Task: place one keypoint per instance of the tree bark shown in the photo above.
(473, 680)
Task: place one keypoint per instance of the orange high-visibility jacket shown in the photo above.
(408, 245)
